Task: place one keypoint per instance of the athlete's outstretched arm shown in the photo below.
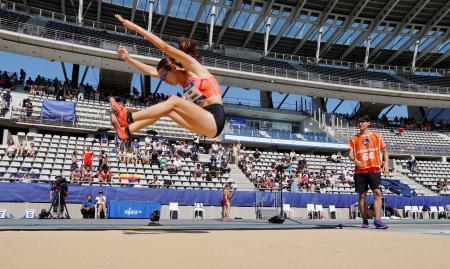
(141, 67)
(188, 62)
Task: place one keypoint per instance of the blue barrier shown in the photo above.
(38, 193)
(131, 210)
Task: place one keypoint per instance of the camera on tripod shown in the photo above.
(59, 190)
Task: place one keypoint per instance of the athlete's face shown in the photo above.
(169, 77)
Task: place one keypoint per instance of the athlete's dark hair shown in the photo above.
(189, 46)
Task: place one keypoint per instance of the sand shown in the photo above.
(223, 249)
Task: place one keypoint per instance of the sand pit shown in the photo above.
(347, 248)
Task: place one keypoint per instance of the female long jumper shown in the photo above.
(201, 111)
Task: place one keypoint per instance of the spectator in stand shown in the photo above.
(74, 158)
(214, 148)
(302, 165)
(88, 177)
(323, 171)
(23, 75)
(76, 175)
(87, 208)
(154, 158)
(31, 151)
(163, 162)
(224, 169)
(198, 171)
(157, 183)
(21, 152)
(122, 155)
(3, 106)
(105, 175)
(100, 202)
(400, 131)
(88, 155)
(335, 157)
(102, 160)
(256, 154)
(11, 148)
(29, 109)
(148, 142)
(81, 92)
(130, 156)
(412, 165)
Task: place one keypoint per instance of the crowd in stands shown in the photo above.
(301, 178)
(20, 149)
(399, 124)
(155, 152)
(443, 185)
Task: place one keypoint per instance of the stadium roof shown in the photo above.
(393, 25)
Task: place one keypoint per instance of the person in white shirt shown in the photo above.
(100, 203)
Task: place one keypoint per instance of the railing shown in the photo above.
(257, 103)
(281, 56)
(213, 62)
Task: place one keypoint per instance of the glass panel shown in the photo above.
(277, 26)
(328, 34)
(425, 43)
(376, 39)
(183, 9)
(161, 6)
(193, 10)
(174, 8)
(442, 48)
(250, 22)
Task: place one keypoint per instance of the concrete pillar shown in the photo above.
(150, 14)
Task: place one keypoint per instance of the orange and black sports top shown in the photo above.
(198, 90)
(367, 149)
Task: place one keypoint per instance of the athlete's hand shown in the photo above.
(123, 53)
(386, 169)
(359, 163)
(126, 23)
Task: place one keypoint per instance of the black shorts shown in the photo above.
(219, 115)
(364, 181)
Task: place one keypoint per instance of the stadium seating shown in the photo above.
(428, 80)
(54, 158)
(350, 73)
(410, 142)
(430, 172)
(315, 163)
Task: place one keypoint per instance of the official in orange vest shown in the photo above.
(365, 150)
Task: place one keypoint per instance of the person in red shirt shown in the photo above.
(105, 175)
(88, 155)
(365, 149)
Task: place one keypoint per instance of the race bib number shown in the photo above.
(193, 94)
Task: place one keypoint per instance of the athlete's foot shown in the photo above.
(365, 224)
(379, 224)
(122, 132)
(119, 111)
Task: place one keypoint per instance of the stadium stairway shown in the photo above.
(420, 189)
(242, 182)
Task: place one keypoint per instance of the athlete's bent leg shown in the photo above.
(184, 113)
